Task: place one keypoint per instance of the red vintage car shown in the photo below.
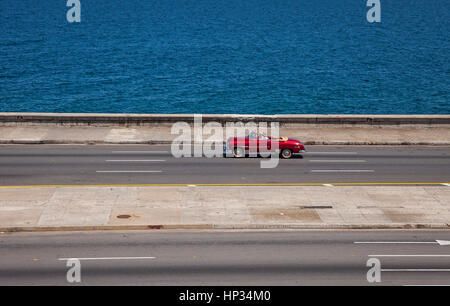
(257, 143)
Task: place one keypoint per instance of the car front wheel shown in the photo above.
(286, 153)
(239, 152)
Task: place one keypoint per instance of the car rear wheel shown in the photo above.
(286, 153)
(238, 152)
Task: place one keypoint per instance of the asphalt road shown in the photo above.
(225, 258)
(141, 164)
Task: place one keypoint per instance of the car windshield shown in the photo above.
(254, 135)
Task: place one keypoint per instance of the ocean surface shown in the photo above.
(225, 56)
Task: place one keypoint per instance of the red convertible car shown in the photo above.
(258, 143)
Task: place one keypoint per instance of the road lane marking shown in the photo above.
(337, 153)
(415, 270)
(440, 242)
(410, 255)
(425, 285)
(394, 242)
(448, 185)
(344, 171)
(106, 258)
(135, 160)
(223, 184)
(125, 171)
(328, 185)
(337, 161)
(138, 152)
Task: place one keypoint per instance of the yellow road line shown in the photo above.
(225, 184)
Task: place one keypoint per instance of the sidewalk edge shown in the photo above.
(223, 227)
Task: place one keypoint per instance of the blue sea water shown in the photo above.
(225, 56)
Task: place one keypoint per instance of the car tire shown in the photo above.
(238, 152)
(286, 153)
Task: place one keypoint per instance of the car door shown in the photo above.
(264, 144)
(252, 146)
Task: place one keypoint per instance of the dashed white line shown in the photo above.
(328, 185)
(437, 241)
(138, 152)
(395, 242)
(415, 270)
(409, 255)
(332, 171)
(337, 161)
(125, 171)
(107, 258)
(448, 185)
(425, 285)
(337, 153)
(135, 160)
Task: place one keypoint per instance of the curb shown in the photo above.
(409, 226)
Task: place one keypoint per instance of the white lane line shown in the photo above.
(440, 242)
(146, 152)
(328, 185)
(135, 160)
(337, 153)
(337, 161)
(410, 255)
(448, 185)
(395, 242)
(335, 171)
(415, 270)
(425, 285)
(107, 258)
(155, 171)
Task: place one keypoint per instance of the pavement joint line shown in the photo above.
(232, 184)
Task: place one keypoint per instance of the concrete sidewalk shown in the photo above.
(309, 134)
(223, 207)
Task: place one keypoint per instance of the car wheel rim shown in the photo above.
(286, 153)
